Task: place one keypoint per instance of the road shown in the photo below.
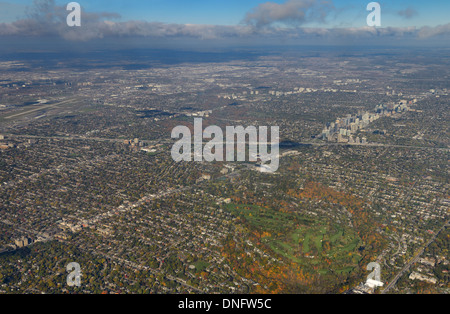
(412, 261)
(71, 137)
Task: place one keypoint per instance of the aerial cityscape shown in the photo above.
(93, 201)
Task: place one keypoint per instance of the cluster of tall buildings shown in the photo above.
(343, 130)
(22, 242)
(134, 143)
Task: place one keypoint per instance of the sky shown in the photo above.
(252, 20)
(232, 12)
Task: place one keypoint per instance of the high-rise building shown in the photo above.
(342, 139)
(22, 242)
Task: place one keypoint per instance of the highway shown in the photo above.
(412, 261)
(72, 137)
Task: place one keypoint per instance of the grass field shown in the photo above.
(308, 242)
(200, 265)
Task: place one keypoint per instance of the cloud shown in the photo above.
(427, 32)
(356, 32)
(293, 12)
(408, 13)
(46, 19)
(9, 12)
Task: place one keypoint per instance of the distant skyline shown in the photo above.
(307, 21)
